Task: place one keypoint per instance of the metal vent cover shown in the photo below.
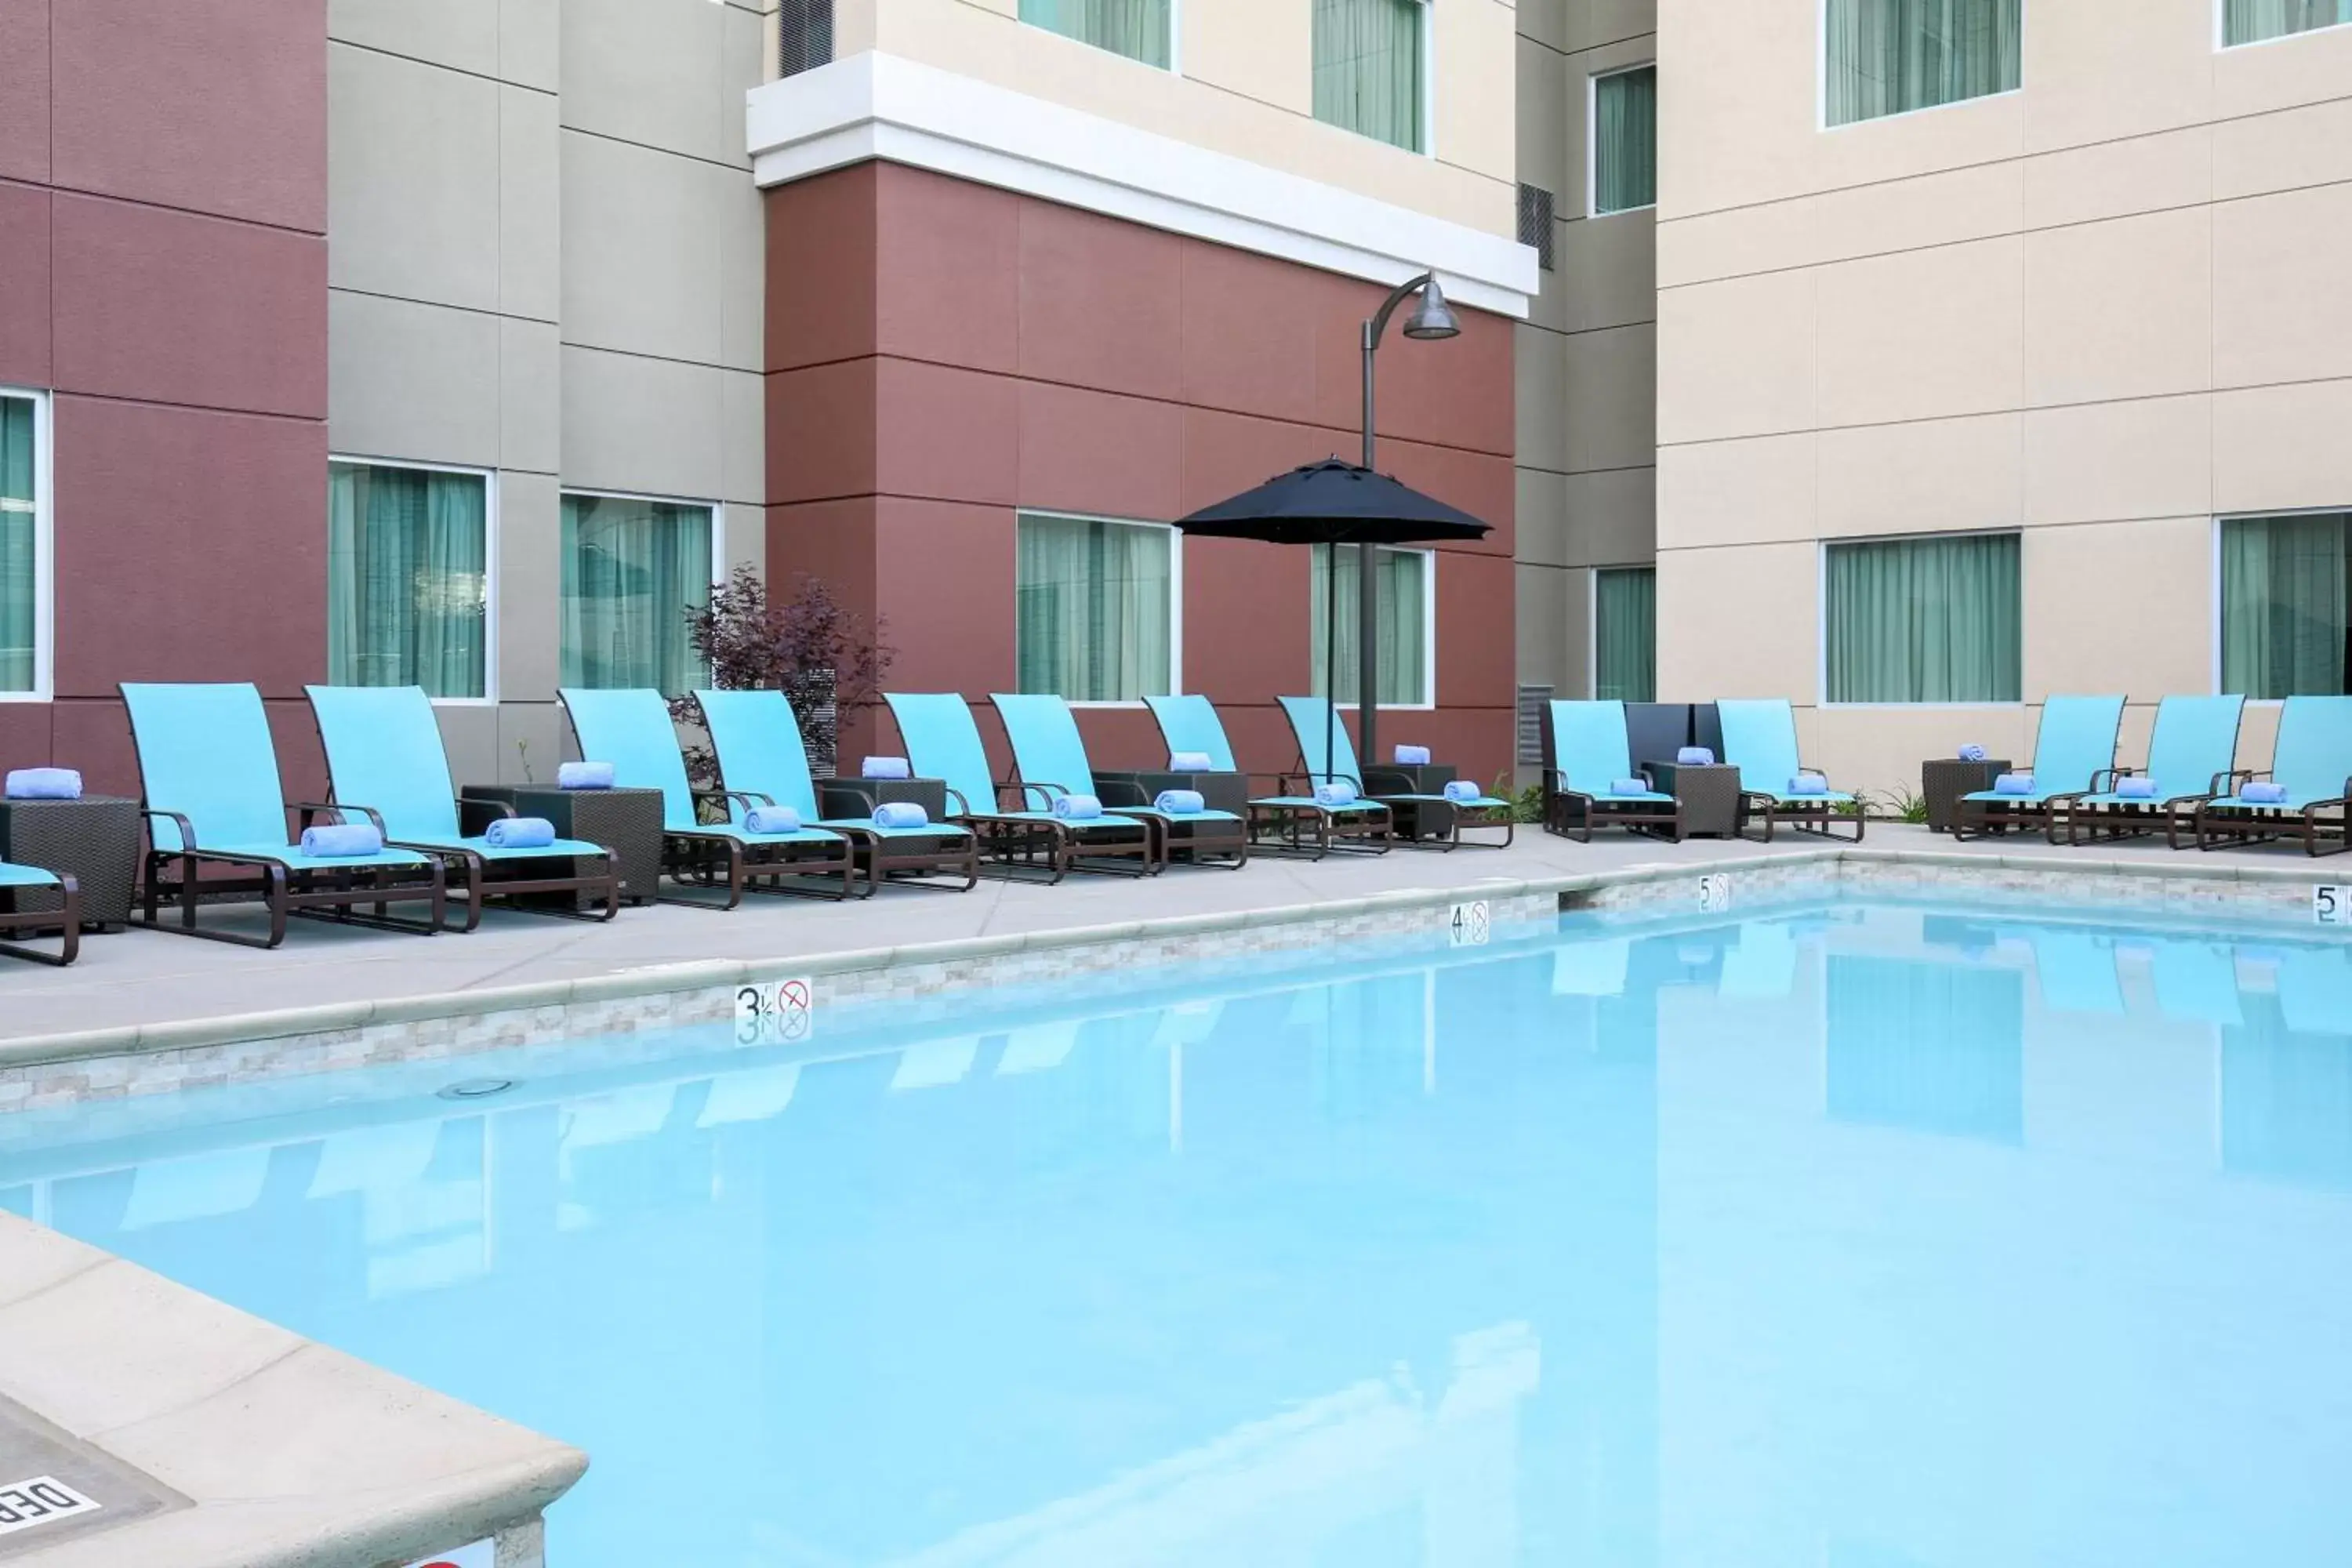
(804, 36)
(1532, 706)
(1536, 222)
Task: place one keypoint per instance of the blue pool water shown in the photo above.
(1846, 1237)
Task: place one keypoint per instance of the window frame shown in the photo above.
(2222, 518)
(1592, 620)
(1592, 141)
(1175, 66)
(1427, 108)
(1429, 554)
(717, 508)
(45, 554)
(1821, 75)
(2221, 46)
(490, 575)
(1822, 618)
(1175, 598)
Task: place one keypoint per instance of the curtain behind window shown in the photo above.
(1625, 635)
(2252, 21)
(18, 587)
(1625, 141)
(1925, 620)
(1889, 57)
(1136, 29)
(1367, 68)
(1094, 609)
(1403, 631)
(407, 580)
(2284, 630)
(632, 571)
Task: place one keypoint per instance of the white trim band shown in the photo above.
(874, 105)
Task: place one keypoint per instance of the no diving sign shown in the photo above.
(775, 1012)
(480, 1554)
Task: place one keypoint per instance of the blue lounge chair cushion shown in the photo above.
(632, 730)
(1760, 739)
(26, 877)
(1191, 728)
(291, 857)
(205, 752)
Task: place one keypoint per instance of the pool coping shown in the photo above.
(355, 1032)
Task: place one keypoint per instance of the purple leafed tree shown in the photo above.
(812, 648)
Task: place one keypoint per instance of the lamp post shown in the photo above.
(1432, 321)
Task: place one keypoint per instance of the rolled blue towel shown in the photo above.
(887, 768)
(43, 783)
(1412, 756)
(1076, 807)
(773, 819)
(341, 841)
(1809, 783)
(520, 833)
(1694, 757)
(2136, 786)
(1191, 762)
(1972, 753)
(1338, 792)
(584, 775)
(1630, 786)
(2013, 783)
(1180, 803)
(1462, 792)
(2262, 792)
(903, 813)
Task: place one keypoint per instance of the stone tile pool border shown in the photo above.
(155, 1058)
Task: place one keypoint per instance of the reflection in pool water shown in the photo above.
(1858, 1237)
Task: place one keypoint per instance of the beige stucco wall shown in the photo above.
(1243, 85)
(2102, 310)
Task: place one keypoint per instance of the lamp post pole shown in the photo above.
(1432, 321)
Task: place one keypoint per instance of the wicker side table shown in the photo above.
(94, 839)
(843, 799)
(1943, 780)
(1218, 792)
(1709, 793)
(628, 822)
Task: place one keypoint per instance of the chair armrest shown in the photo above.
(187, 829)
(962, 802)
(1044, 790)
(2113, 777)
(1121, 792)
(310, 809)
(475, 815)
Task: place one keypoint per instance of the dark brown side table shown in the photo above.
(1709, 793)
(94, 839)
(842, 799)
(628, 822)
(1415, 819)
(1218, 792)
(1943, 780)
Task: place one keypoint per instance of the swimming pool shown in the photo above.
(1868, 1235)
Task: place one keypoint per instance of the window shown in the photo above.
(2257, 21)
(1369, 70)
(23, 545)
(408, 578)
(1890, 56)
(1407, 604)
(633, 569)
(1933, 619)
(1624, 141)
(1094, 608)
(1625, 635)
(2283, 627)
(1140, 30)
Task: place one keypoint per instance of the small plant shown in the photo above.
(522, 750)
(1904, 806)
(812, 648)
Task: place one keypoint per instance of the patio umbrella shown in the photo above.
(1333, 503)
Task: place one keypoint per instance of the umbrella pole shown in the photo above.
(1330, 654)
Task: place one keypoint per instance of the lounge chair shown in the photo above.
(17, 880)
(1049, 753)
(1312, 723)
(1760, 739)
(386, 761)
(943, 742)
(2312, 764)
(211, 797)
(1190, 723)
(2191, 758)
(763, 760)
(1589, 757)
(632, 730)
(2074, 750)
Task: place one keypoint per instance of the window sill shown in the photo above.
(36, 695)
(1931, 108)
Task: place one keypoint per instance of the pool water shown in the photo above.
(1852, 1236)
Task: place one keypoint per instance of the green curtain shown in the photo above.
(1888, 57)
(1367, 68)
(1136, 29)
(2252, 21)
(1625, 635)
(633, 571)
(1625, 141)
(1925, 620)
(408, 578)
(2283, 631)
(1403, 653)
(19, 585)
(1094, 609)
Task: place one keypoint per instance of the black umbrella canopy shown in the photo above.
(1332, 502)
